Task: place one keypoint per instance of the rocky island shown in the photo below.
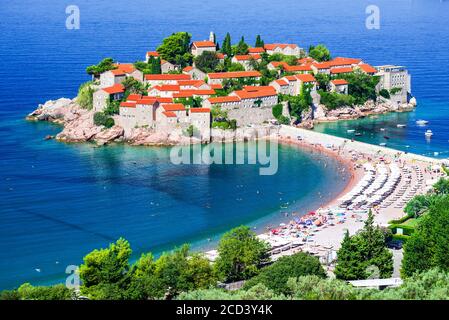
(222, 93)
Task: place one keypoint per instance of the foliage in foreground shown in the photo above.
(428, 246)
(275, 276)
(85, 97)
(430, 285)
(362, 252)
(241, 254)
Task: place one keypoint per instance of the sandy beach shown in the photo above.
(321, 232)
(376, 168)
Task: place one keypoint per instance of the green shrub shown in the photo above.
(277, 111)
(102, 119)
(384, 93)
(333, 100)
(275, 277)
(109, 123)
(85, 96)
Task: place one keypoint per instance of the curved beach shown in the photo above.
(389, 175)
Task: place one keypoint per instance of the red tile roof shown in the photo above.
(158, 99)
(204, 44)
(341, 70)
(134, 97)
(273, 46)
(220, 55)
(306, 60)
(226, 99)
(281, 64)
(282, 82)
(235, 74)
(173, 107)
(256, 50)
(216, 86)
(243, 94)
(247, 57)
(147, 101)
(291, 78)
(123, 68)
(116, 88)
(199, 110)
(257, 88)
(187, 69)
(305, 77)
(367, 68)
(339, 82)
(163, 77)
(152, 54)
(166, 87)
(191, 82)
(322, 65)
(297, 68)
(341, 61)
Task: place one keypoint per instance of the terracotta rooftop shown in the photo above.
(203, 44)
(167, 77)
(236, 74)
(116, 88)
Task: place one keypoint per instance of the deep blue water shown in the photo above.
(58, 201)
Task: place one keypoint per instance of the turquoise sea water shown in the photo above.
(58, 201)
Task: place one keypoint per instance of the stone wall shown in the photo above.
(246, 116)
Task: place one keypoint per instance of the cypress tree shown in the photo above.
(259, 42)
(226, 48)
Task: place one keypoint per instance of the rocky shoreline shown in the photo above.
(322, 114)
(78, 126)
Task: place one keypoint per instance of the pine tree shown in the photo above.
(242, 47)
(363, 252)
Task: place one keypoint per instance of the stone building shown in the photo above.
(198, 47)
(219, 77)
(338, 86)
(284, 48)
(111, 77)
(396, 80)
(102, 96)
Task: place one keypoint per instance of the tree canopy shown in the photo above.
(362, 87)
(241, 254)
(275, 276)
(103, 66)
(362, 252)
(85, 97)
(320, 53)
(427, 247)
(259, 42)
(241, 48)
(226, 48)
(207, 61)
(176, 49)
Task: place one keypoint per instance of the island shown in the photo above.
(200, 91)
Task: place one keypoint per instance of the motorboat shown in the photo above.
(401, 125)
(350, 131)
(383, 144)
(422, 122)
(428, 133)
(358, 134)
